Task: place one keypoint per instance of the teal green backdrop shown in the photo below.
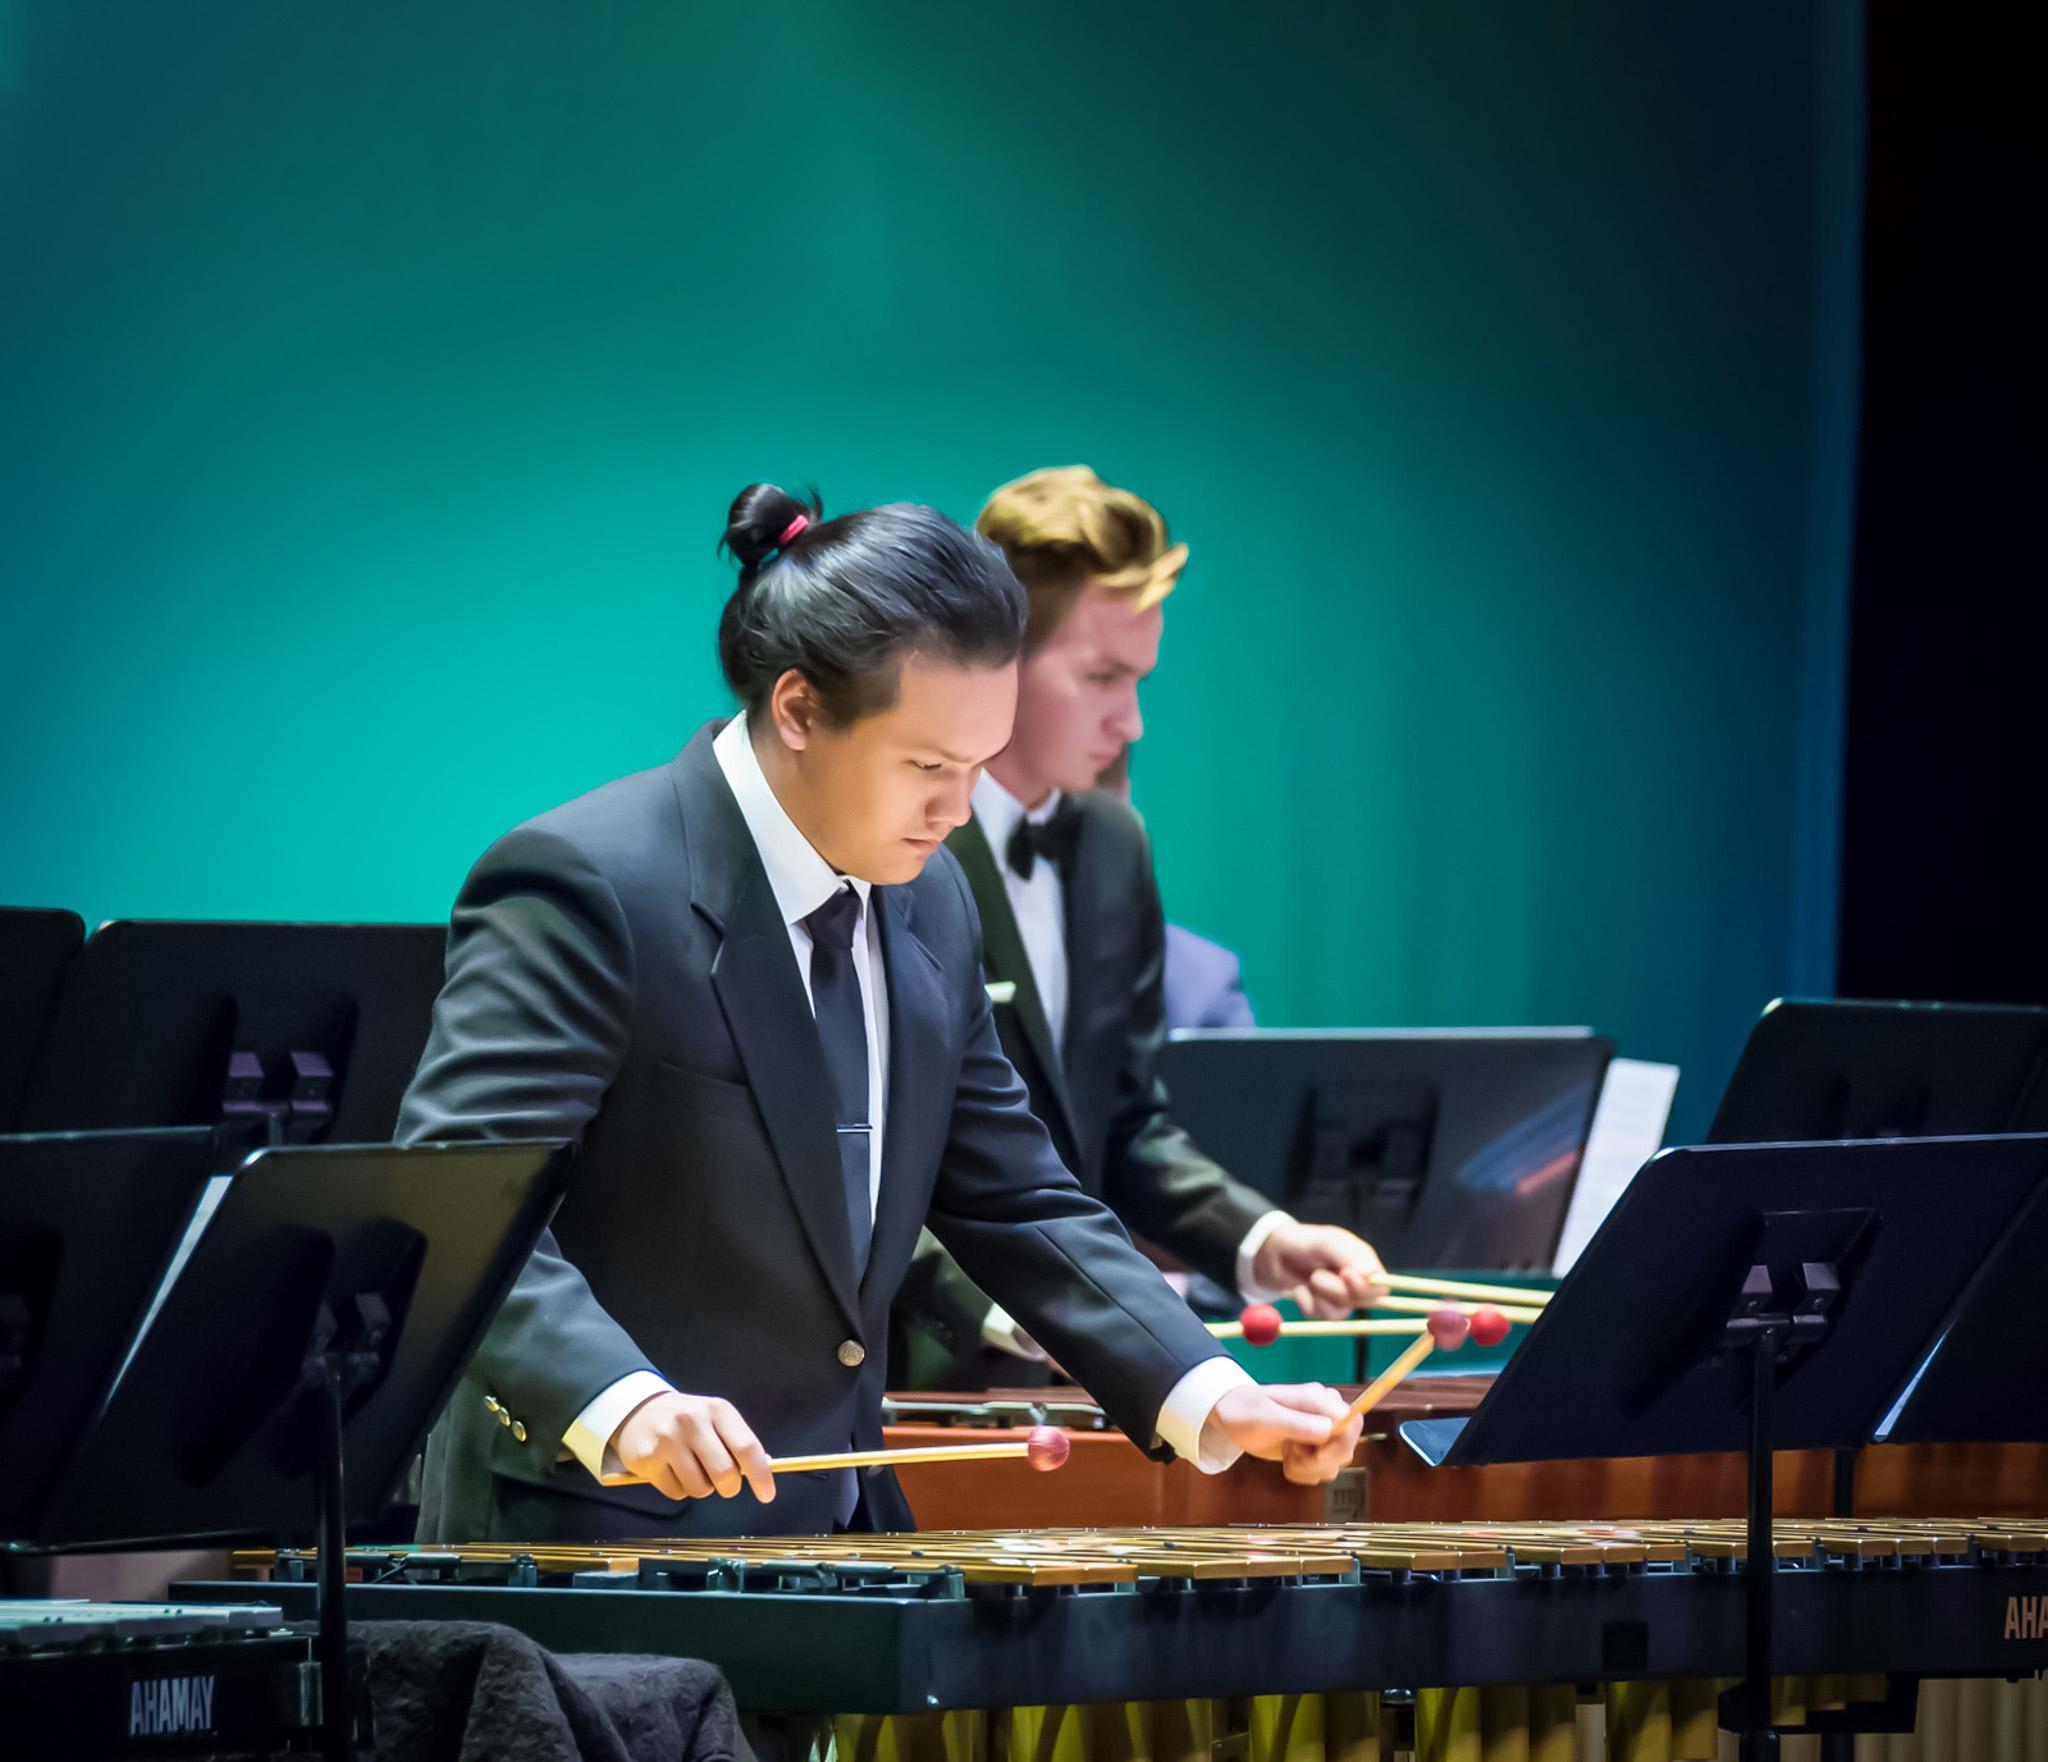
(374, 378)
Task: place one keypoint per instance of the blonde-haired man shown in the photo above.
(1074, 938)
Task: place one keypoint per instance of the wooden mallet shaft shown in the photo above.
(898, 1458)
(1046, 1448)
(1326, 1330)
(1260, 1325)
(1515, 1312)
(1377, 1390)
(1447, 1328)
(1514, 1296)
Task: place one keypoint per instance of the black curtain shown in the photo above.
(1945, 807)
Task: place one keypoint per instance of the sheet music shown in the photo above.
(1628, 1129)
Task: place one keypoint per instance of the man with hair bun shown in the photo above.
(1074, 942)
(748, 983)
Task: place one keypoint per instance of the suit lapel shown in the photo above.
(1002, 946)
(917, 1047)
(762, 994)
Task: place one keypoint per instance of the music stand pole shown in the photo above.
(336, 1697)
(1759, 1741)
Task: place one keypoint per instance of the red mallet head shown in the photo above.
(1489, 1326)
(1448, 1328)
(1261, 1323)
(1046, 1448)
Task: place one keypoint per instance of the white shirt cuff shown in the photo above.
(1248, 1254)
(589, 1437)
(999, 1329)
(1188, 1406)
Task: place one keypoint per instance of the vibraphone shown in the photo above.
(1312, 1644)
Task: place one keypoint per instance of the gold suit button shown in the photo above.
(852, 1353)
(491, 1403)
(504, 1418)
(519, 1431)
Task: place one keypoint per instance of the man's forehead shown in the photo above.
(1115, 623)
(959, 711)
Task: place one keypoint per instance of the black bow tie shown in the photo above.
(1052, 839)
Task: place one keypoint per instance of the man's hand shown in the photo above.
(691, 1446)
(1294, 1424)
(1328, 1271)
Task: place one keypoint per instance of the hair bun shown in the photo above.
(759, 516)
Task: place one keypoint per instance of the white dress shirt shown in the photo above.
(1039, 905)
(802, 881)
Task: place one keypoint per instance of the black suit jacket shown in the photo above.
(1102, 1101)
(618, 973)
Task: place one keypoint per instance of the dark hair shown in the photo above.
(843, 601)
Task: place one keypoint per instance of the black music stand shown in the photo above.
(326, 1308)
(1849, 1069)
(1753, 1298)
(88, 1221)
(1450, 1148)
(1982, 1382)
(285, 1033)
(36, 951)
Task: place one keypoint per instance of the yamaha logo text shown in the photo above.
(2026, 1618)
(170, 1706)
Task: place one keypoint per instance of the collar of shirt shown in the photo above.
(800, 878)
(999, 811)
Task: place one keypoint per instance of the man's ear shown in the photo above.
(794, 709)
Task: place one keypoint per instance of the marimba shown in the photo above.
(1108, 1482)
(1340, 1643)
(120, 1679)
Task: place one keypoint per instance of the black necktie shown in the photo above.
(1051, 839)
(843, 1032)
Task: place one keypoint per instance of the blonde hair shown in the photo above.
(1063, 529)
